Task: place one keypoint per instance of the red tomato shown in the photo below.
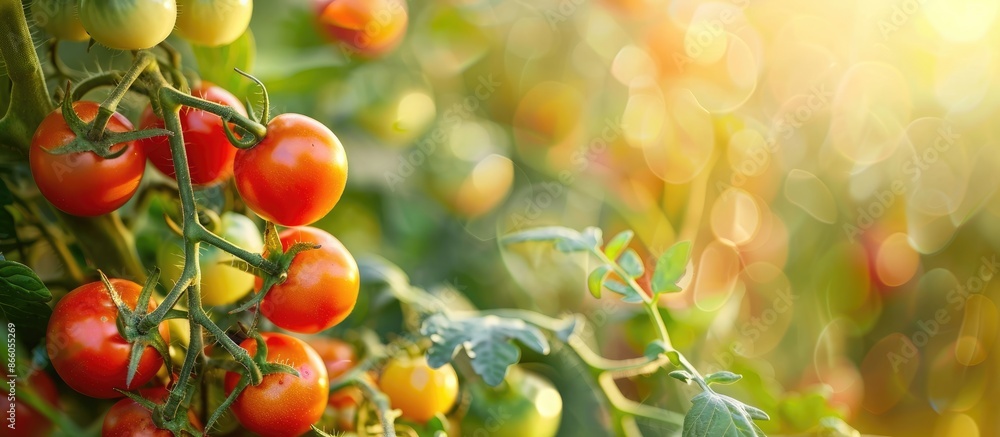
(339, 357)
(85, 347)
(129, 419)
(322, 285)
(84, 184)
(282, 404)
(296, 174)
(31, 423)
(369, 28)
(210, 156)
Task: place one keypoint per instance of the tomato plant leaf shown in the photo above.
(486, 340)
(716, 415)
(23, 299)
(632, 263)
(724, 377)
(217, 64)
(654, 349)
(670, 268)
(681, 375)
(565, 239)
(630, 295)
(595, 281)
(617, 245)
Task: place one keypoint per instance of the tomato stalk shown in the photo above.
(30, 101)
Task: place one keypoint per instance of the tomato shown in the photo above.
(417, 390)
(339, 357)
(209, 153)
(59, 18)
(128, 24)
(213, 22)
(84, 184)
(283, 404)
(85, 347)
(369, 28)
(525, 405)
(322, 285)
(31, 423)
(221, 284)
(296, 174)
(127, 418)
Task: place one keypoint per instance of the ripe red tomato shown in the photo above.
(322, 285)
(210, 156)
(418, 390)
(369, 28)
(85, 347)
(84, 184)
(129, 419)
(296, 174)
(282, 404)
(31, 423)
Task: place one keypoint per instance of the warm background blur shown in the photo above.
(834, 163)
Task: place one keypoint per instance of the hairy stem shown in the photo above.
(29, 102)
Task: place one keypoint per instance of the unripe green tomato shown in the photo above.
(525, 405)
(128, 24)
(221, 283)
(59, 18)
(213, 22)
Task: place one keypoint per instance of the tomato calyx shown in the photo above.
(266, 368)
(129, 321)
(179, 425)
(281, 258)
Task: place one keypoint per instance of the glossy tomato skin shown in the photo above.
(60, 19)
(322, 285)
(84, 184)
(221, 283)
(128, 24)
(531, 406)
(209, 153)
(296, 174)
(83, 342)
(370, 28)
(417, 390)
(282, 404)
(127, 418)
(213, 22)
(31, 423)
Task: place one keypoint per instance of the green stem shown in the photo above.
(49, 233)
(107, 242)
(607, 382)
(83, 87)
(382, 406)
(29, 99)
(255, 259)
(227, 113)
(142, 61)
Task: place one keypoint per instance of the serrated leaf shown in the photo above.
(617, 244)
(629, 295)
(724, 377)
(217, 64)
(632, 263)
(23, 299)
(595, 281)
(716, 415)
(487, 340)
(670, 268)
(654, 349)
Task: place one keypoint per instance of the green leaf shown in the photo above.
(654, 349)
(617, 244)
(670, 268)
(630, 295)
(7, 228)
(724, 377)
(486, 340)
(23, 299)
(715, 415)
(565, 239)
(595, 281)
(681, 375)
(836, 427)
(632, 263)
(217, 64)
